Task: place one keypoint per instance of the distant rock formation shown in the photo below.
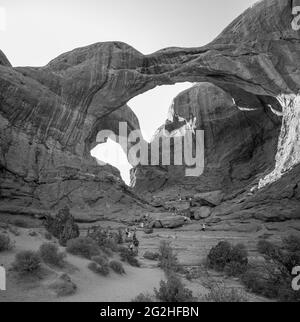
(50, 116)
(238, 145)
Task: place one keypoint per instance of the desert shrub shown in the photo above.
(219, 256)
(117, 267)
(62, 226)
(239, 254)
(26, 261)
(104, 238)
(111, 244)
(168, 261)
(225, 295)
(50, 254)
(151, 256)
(20, 222)
(274, 280)
(173, 290)
(63, 286)
(292, 243)
(107, 251)
(127, 256)
(233, 258)
(83, 246)
(235, 268)
(48, 236)
(5, 243)
(268, 249)
(143, 298)
(193, 273)
(260, 281)
(99, 265)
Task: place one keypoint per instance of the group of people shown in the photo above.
(132, 239)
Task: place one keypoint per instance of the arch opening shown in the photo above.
(151, 108)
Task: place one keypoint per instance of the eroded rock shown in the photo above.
(166, 220)
(202, 213)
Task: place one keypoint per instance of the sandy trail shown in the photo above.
(91, 287)
(113, 288)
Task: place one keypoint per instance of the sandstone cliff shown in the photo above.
(49, 116)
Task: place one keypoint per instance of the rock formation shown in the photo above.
(238, 144)
(50, 116)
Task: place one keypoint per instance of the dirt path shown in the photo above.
(91, 287)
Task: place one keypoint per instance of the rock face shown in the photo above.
(3, 60)
(50, 116)
(239, 144)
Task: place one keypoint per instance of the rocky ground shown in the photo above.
(189, 242)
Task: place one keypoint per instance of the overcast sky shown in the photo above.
(32, 32)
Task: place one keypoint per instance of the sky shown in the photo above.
(32, 32)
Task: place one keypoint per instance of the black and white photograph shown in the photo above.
(149, 153)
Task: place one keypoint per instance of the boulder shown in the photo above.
(212, 197)
(166, 220)
(180, 207)
(202, 213)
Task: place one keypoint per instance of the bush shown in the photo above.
(27, 262)
(127, 256)
(219, 256)
(274, 280)
(105, 239)
(167, 259)
(83, 246)
(62, 226)
(292, 243)
(117, 267)
(48, 236)
(49, 254)
(258, 280)
(111, 244)
(63, 286)
(232, 259)
(144, 298)
(5, 243)
(268, 249)
(235, 269)
(151, 256)
(173, 291)
(99, 265)
(225, 295)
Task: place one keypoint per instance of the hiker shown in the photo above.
(131, 247)
(134, 234)
(136, 245)
(203, 227)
